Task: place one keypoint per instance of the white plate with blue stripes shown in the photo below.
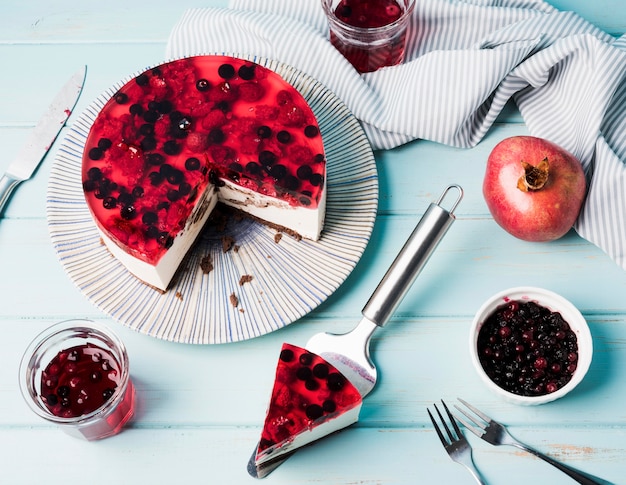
(289, 278)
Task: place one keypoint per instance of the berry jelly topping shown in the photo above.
(307, 391)
(527, 349)
(171, 131)
(79, 380)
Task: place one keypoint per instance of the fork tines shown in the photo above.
(451, 437)
(455, 444)
(473, 425)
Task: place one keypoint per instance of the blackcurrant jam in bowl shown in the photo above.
(76, 374)
(530, 345)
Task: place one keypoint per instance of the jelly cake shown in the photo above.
(178, 138)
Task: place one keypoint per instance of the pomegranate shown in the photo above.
(534, 189)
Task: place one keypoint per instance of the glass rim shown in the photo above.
(383, 29)
(27, 386)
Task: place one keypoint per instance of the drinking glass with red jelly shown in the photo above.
(76, 374)
(369, 33)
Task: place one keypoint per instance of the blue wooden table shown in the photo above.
(200, 408)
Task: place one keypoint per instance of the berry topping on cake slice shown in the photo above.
(310, 400)
(180, 137)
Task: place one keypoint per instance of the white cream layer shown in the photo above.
(306, 222)
(160, 275)
(309, 435)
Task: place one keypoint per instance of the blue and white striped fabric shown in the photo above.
(465, 60)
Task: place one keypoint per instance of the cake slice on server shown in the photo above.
(181, 136)
(310, 399)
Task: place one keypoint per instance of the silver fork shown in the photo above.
(496, 434)
(455, 443)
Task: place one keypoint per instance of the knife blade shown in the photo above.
(42, 136)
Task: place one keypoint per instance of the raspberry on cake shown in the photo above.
(180, 137)
(310, 399)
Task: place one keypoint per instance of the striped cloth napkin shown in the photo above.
(465, 60)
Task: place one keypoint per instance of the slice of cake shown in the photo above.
(310, 399)
(183, 135)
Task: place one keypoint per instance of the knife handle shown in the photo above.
(7, 184)
(409, 263)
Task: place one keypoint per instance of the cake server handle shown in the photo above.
(409, 263)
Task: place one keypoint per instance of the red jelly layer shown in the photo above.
(307, 391)
(79, 380)
(172, 130)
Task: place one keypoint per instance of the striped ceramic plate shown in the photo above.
(290, 278)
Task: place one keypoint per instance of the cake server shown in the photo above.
(350, 352)
(42, 136)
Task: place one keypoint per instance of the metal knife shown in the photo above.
(42, 137)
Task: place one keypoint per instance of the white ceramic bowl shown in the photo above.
(553, 302)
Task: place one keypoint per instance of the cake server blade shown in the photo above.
(268, 467)
(42, 136)
(350, 352)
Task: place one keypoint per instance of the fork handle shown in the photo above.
(580, 477)
(474, 472)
